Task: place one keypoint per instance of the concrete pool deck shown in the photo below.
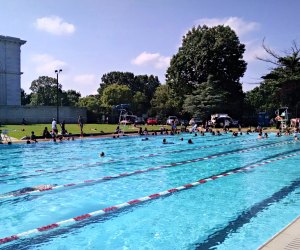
(287, 239)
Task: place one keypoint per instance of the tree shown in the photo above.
(92, 104)
(120, 78)
(25, 98)
(141, 83)
(148, 85)
(280, 87)
(163, 103)
(206, 100)
(207, 51)
(138, 103)
(70, 98)
(44, 91)
(115, 94)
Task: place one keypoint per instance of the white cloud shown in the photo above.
(253, 51)
(151, 59)
(85, 79)
(240, 26)
(87, 84)
(54, 25)
(46, 64)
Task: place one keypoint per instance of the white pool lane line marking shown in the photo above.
(127, 204)
(107, 178)
(95, 164)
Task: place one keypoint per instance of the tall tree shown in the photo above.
(139, 101)
(92, 104)
(140, 83)
(206, 100)
(280, 87)
(25, 98)
(207, 51)
(164, 103)
(44, 91)
(120, 78)
(115, 94)
(70, 98)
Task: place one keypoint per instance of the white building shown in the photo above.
(10, 70)
(11, 111)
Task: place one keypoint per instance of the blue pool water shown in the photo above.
(238, 211)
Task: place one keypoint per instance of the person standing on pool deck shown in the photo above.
(80, 123)
(54, 127)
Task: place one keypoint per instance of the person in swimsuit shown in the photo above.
(30, 189)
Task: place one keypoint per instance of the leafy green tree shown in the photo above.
(70, 98)
(120, 78)
(163, 103)
(141, 83)
(280, 87)
(205, 100)
(25, 98)
(207, 51)
(148, 85)
(44, 91)
(138, 103)
(115, 94)
(92, 104)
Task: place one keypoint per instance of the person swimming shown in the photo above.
(190, 141)
(30, 189)
(102, 154)
(165, 141)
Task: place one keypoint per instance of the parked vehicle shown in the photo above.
(172, 119)
(195, 120)
(223, 120)
(139, 120)
(152, 121)
(127, 119)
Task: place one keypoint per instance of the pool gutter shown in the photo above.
(288, 238)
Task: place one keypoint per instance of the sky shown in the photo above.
(88, 38)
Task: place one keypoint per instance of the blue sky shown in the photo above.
(88, 38)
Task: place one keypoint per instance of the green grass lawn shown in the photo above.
(19, 131)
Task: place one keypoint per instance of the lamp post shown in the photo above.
(57, 71)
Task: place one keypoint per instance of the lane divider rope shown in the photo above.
(125, 174)
(127, 204)
(97, 163)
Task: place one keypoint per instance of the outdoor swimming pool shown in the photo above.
(218, 193)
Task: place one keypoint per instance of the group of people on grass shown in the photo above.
(53, 134)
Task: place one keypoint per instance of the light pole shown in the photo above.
(57, 71)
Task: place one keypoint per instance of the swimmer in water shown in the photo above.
(190, 141)
(102, 154)
(165, 141)
(30, 189)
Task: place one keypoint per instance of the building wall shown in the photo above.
(39, 114)
(10, 70)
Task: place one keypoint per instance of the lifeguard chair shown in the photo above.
(282, 116)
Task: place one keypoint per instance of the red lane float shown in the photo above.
(106, 178)
(120, 159)
(118, 207)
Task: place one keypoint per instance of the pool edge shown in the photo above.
(287, 238)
